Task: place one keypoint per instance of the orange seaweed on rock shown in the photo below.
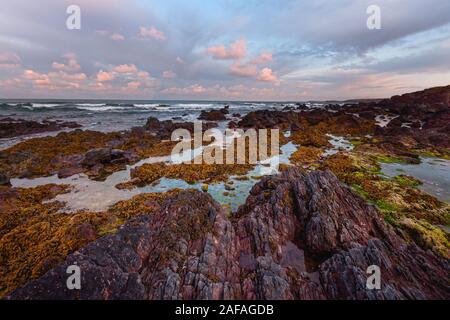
(50, 155)
(35, 236)
(396, 199)
(191, 173)
(306, 155)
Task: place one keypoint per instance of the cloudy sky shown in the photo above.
(222, 49)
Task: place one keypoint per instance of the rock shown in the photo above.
(225, 109)
(4, 180)
(205, 187)
(10, 128)
(170, 254)
(97, 156)
(68, 172)
(298, 236)
(213, 115)
(164, 129)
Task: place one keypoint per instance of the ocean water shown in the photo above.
(109, 116)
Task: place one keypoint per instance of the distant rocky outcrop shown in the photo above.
(299, 236)
(164, 129)
(215, 115)
(10, 128)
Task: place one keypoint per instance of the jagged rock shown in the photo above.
(339, 236)
(299, 236)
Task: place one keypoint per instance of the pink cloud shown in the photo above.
(194, 89)
(42, 82)
(243, 70)
(267, 75)
(152, 33)
(9, 60)
(179, 60)
(71, 65)
(143, 74)
(169, 74)
(67, 76)
(112, 35)
(125, 68)
(117, 37)
(197, 89)
(133, 85)
(103, 76)
(237, 50)
(32, 75)
(262, 58)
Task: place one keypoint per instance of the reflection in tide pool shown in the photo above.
(433, 172)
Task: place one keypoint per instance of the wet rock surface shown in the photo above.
(299, 236)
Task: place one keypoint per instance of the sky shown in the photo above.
(285, 50)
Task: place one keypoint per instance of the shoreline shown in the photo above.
(96, 183)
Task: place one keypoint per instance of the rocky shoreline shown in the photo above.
(309, 232)
(299, 236)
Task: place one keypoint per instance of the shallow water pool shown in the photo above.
(433, 172)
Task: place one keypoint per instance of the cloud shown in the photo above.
(32, 75)
(117, 37)
(243, 70)
(111, 35)
(125, 68)
(169, 74)
(153, 33)
(179, 60)
(133, 84)
(103, 76)
(9, 60)
(71, 64)
(193, 89)
(237, 50)
(267, 75)
(143, 75)
(262, 58)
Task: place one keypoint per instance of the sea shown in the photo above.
(118, 115)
